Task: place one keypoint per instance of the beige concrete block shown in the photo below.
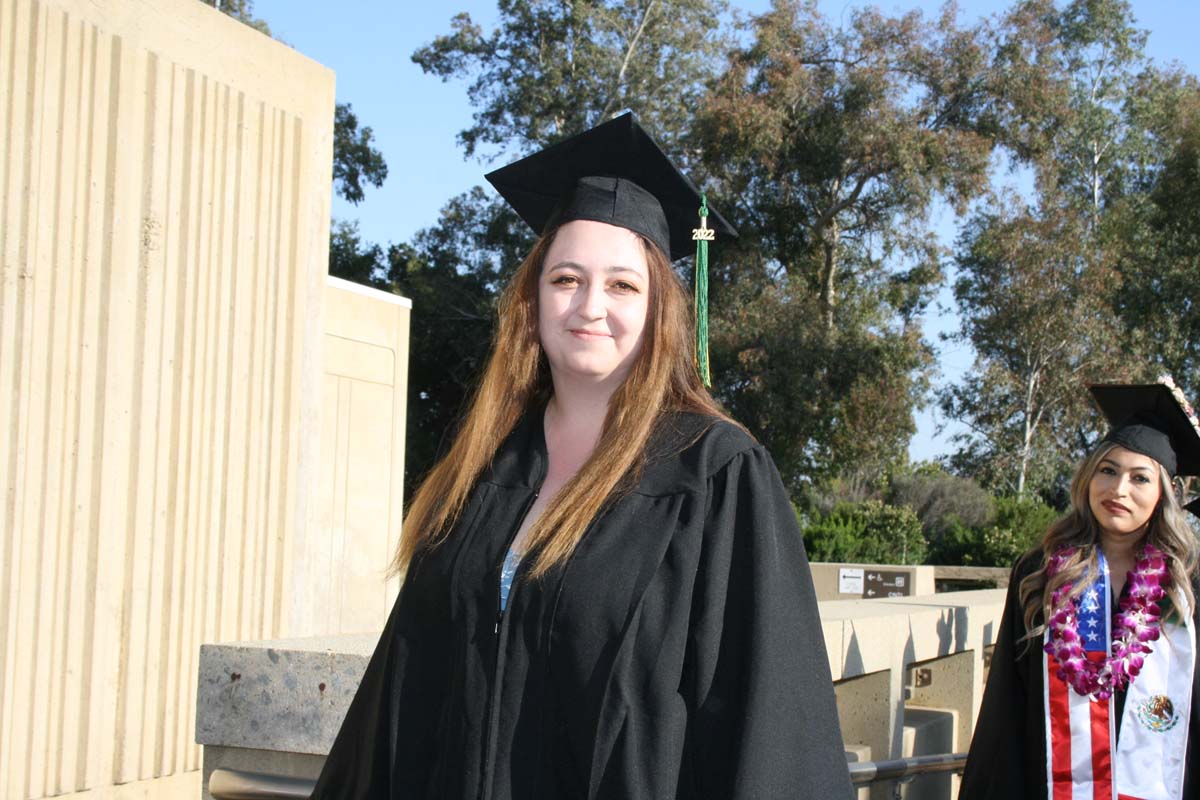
(930, 731)
(358, 496)
(866, 712)
(164, 194)
(947, 682)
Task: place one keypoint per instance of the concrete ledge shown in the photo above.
(283, 695)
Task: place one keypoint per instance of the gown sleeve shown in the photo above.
(361, 762)
(763, 722)
(999, 761)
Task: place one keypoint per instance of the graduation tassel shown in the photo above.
(702, 236)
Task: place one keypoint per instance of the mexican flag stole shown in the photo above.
(1148, 763)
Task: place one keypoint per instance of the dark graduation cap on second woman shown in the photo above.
(613, 173)
(1193, 506)
(1152, 419)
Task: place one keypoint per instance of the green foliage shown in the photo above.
(551, 69)
(355, 160)
(1033, 296)
(830, 144)
(943, 502)
(242, 11)
(826, 406)
(827, 145)
(1160, 242)
(868, 532)
(1018, 526)
(1089, 283)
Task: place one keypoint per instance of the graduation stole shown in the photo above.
(1080, 729)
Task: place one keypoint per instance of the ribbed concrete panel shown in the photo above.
(164, 190)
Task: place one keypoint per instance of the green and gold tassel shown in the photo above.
(702, 236)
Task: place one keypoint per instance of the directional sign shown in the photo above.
(887, 583)
(850, 580)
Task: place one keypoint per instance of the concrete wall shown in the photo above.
(341, 584)
(164, 205)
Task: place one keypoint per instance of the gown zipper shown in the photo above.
(501, 628)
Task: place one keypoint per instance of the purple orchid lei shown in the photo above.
(1136, 623)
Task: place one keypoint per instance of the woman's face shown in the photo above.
(593, 296)
(1123, 492)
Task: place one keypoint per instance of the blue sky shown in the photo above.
(416, 117)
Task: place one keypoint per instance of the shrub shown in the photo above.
(1018, 526)
(869, 532)
(943, 501)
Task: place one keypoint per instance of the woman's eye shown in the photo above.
(565, 280)
(624, 286)
(1107, 471)
(1141, 479)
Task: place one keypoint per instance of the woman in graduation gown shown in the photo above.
(606, 594)
(1104, 701)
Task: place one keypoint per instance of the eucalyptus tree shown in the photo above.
(832, 148)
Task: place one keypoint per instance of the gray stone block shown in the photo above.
(287, 695)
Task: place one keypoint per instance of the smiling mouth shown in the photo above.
(590, 334)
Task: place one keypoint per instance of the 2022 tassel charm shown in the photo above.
(702, 236)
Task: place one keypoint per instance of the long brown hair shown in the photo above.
(1168, 532)
(517, 379)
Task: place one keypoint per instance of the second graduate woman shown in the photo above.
(1093, 690)
(606, 594)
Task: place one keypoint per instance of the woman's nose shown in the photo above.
(591, 301)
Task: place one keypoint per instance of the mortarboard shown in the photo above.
(1193, 506)
(613, 173)
(1153, 419)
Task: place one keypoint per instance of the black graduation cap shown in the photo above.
(613, 173)
(1150, 419)
(1193, 506)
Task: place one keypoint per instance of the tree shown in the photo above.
(1066, 80)
(828, 147)
(355, 160)
(1073, 289)
(1160, 246)
(941, 501)
(1033, 302)
(551, 69)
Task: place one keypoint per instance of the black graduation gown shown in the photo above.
(678, 653)
(1008, 751)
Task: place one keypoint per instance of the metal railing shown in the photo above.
(904, 769)
(232, 784)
